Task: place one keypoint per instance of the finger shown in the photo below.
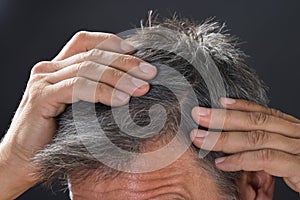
(78, 88)
(293, 182)
(274, 162)
(244, 105)
(233, 120)
(84, 41)
(234, 142)
(126, 63)
(104, 74)
(45, 67)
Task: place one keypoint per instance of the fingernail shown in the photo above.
(126, 47)
(227, 101)
(138, 83)
(219, 160)
(147, 68)
(203, 111)
(121, 95)
(201, 133)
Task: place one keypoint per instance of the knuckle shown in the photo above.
(81, 35)
(258, 118)
(129, 60)
(88, 63)
(223, 138)
(257, 138)
(79, 67)
(110, 36)
(37, 77)
(265, 155)
(247, 103)
(239, 159)
(74, 81)
(89, 55)
(116, 75)
(83, 67)
(275, 112)
(101, 89)
(40, 67)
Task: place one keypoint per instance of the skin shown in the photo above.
(183, 179)
(257, 139)
(50, 88)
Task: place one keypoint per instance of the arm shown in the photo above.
(91, 67)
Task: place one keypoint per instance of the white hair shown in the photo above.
(177, 44)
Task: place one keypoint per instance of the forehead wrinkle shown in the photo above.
(154, 189)
(177, 180)
(167, 180)
(152, 183)
(177, 189)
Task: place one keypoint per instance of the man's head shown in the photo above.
(93, 165)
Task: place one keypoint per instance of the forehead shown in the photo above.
(183, 179)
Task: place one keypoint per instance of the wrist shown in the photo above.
(18, 167)
(15, 176)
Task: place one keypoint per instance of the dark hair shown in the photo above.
(182, 47)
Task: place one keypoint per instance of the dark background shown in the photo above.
(33, 30)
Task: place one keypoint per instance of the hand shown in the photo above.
(92, 63)
(258, 138)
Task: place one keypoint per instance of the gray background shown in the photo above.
(32, 31)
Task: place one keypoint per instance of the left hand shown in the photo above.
(257, 138)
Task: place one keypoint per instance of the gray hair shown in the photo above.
(176, 44)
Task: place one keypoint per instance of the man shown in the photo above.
(82, 156)
(77, 155)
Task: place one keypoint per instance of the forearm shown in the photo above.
(11, 186)
(15, 175)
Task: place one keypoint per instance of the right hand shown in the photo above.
(94, 64)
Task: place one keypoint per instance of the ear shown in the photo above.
(256, 186)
